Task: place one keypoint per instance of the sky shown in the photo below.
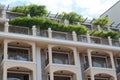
(87, 8)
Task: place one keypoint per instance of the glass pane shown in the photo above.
(99, 62)
(59, 35)
(61, 78)
(118, 63)
(60, 58)
(99, 79)
(18, 54)
(17, 76)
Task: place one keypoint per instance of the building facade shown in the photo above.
(31, 54)
(113, 13)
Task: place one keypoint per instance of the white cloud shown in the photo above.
(94, 7)
(56, 5)
(88, 8)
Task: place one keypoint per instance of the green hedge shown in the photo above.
(45, 23)
(105, 34)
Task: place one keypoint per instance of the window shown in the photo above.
(99, 61)
(118, 65)
(99, 78)
(17, 76)
(86, 64)
(18, 54)
(60, 58)
(62, 78)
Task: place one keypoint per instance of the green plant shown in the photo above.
(32, 9)
(102, 21)
(72, 17)
(105, 34)
(45, 23)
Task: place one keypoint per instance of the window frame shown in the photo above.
(29, 53)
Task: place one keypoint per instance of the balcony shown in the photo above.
(21, 54)
(63, 75)
(99, 60)
(19, 51)
(59, 35)
(61, 55)
(19, 73)
(99, 65)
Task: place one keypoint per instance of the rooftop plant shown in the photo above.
(32, 9)
(102, 21)
(71, 16)
(105, 34)
(45, 23)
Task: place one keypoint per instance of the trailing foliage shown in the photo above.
(72, 17)
(105, 34)
(102, 21)
(33, 9)
(45, 23)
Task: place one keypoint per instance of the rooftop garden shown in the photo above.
(38, 12)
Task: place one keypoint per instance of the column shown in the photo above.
(49, 33)
(75, 56)
(98, 26)
(33, 52)
(74, 36)
(79, 67)
(88, 38)
(112, 60)
(39, 66)
(34, 30)
(4, 13)
(92, 77)
(89, 58)
(35, 74)
(51, 75)
(110, 40)
(4, 72)
(6, 27)
(50, 54)
(5, 49)
(78, 77)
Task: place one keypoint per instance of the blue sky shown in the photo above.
(87, 8)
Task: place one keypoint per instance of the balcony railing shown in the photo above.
(115, 43)
(20, 30)
(98, 40)
(60, 35)
(1, 28)
(43, 33)
(82, 38)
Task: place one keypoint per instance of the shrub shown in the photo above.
(102, 21)
(45, 23)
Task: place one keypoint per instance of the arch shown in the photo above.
(19, 68)
(19, 43)
(105, 73)
(64, 48)
(106, 52)
(65, 72)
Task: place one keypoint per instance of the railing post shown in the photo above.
(109, 40)
(88, 38)
(74, 36)
(4, 13)
(34, 30)
(6, 27)
(98, 26)
(49, 33)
